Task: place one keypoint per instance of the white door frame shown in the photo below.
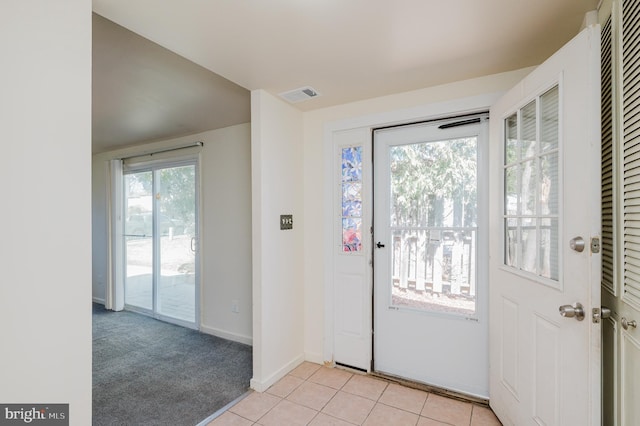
(116, 286)
(467, 105)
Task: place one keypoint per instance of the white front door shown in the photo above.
(430, 246)
(544, 251)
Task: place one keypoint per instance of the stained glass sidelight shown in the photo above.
(351, 199)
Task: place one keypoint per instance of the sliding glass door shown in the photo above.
(138, 237)
(160, 204)
(175, 199)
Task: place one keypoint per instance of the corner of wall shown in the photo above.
(261, 385)
(278, 298)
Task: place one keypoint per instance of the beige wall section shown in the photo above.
(45, 257)
(225, 207)
(277, 188)
(399, 107)
(226, 233)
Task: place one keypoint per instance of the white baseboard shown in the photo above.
(98, 300)
(262, 385)
(247, 340)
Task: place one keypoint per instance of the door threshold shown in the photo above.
(431, 389)
(224, 409)
(164, 318)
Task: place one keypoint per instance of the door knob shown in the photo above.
(379, 244)
(626, 324)
(576, 311)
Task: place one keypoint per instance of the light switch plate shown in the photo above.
(286, 221)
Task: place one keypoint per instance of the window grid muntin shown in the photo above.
(511, 259)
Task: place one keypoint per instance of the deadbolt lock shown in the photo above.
(577, 244)
(598, 314)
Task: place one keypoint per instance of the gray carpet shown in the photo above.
(146, 372)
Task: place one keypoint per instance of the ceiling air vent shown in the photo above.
(299, 95)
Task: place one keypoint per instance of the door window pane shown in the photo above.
(512, 193)
(531, 210)
(529, 189)
(433, 217)
(549, 183)
(138, 237)
(529, 245)
(549, 119)
(511, 143)
(175, 195)
(512, 243)
(548, 248)
(528, 138)
(352, 199)
(351, 234)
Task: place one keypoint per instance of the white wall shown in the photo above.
(277, 188)
(226, 233)
(225, 227)
(384, 110)
(45, 117)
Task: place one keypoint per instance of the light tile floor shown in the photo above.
(322, 396)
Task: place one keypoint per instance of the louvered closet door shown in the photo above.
(621, 214)
(610, 412)
(630, 295)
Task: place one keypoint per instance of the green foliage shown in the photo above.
(434, 183)
(177, 193)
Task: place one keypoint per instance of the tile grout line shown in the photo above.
(342, 388)
(331, 399)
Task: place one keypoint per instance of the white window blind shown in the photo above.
(631, 149)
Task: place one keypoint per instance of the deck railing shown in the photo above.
(435, 259)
